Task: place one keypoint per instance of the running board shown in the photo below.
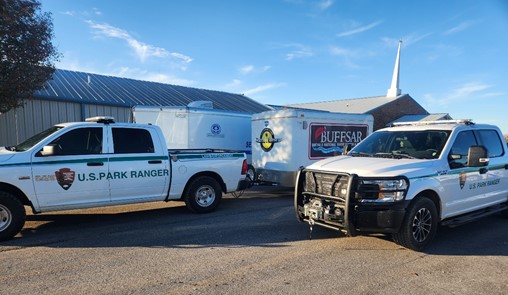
(469, 217)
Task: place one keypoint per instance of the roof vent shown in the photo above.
(204, 104)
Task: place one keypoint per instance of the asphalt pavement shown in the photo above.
(250, 245)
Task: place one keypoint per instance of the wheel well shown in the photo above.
(433, 196)
(213, 175)
(16, 192)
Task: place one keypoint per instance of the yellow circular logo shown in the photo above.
(266, 140)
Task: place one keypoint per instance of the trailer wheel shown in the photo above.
(12, 216)
(419, 226)
(203, 195)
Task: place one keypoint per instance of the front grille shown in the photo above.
(327, 184)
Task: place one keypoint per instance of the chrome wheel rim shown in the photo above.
(5, 217)
(205, 196)
(422, 224)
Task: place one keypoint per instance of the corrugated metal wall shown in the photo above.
(38, 115)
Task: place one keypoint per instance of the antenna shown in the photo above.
(394, 90)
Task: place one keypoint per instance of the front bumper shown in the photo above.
(379, 220)
(331, 200)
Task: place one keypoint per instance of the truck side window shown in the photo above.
(132, 140)
(491, 141)
(82, 141)
(460, 147)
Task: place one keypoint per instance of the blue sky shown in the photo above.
(454, 53)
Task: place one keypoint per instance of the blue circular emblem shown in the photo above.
(215, 129)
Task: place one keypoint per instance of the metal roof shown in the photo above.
(356, 105)
(90, 88)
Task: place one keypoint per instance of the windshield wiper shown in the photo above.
(359, 154)
(394, 155)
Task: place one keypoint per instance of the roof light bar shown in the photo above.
(101, 119)
(419, 123)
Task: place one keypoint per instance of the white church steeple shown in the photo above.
(394, 90)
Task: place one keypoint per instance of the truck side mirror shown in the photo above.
(49, 150)
(477, 156)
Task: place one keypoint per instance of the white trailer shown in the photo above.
(285, 140)
(190, 127)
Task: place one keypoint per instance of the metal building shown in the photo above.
(73, 96)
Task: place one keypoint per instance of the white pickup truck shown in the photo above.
(102, 163)
(406, 179)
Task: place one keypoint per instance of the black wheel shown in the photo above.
(12, 216)
(203, 194)
(419, 226)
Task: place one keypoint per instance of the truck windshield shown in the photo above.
(424, 144)
(29, 143)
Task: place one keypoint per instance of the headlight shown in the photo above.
(381, 190)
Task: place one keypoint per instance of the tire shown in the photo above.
(203, 195)
(419, 225)
(251, 173)
(12, 216)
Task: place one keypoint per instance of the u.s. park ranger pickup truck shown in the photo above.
(406, 179)
(102, 163)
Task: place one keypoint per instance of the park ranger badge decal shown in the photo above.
(65, 177)
(462, 179)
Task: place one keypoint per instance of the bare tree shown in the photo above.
(27, 55)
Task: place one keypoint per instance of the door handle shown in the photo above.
(155, 162)
(95, 164)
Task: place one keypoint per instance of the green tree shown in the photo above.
(27, 55)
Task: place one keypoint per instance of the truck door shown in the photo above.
(460, 179)
(493, 187)
(472, 188)
(72, 176)
(138, 168)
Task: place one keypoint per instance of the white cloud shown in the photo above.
(466, 90)
(96, 11)
(300, 51)
(325, 4)
(406, 40)
(359, 29)
(461, 93)
(460, 27)
(233, 84)
(246, 69)
(249, 69)
(140, 74)
(142, 50)
(69, 13)
(350, 55)
(262, 88)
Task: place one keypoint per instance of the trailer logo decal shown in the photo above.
(215, 131)
(330, 139)
(267, 139)
(65, 177)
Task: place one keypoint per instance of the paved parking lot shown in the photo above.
(250, 245)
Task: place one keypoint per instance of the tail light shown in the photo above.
(244, 167)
